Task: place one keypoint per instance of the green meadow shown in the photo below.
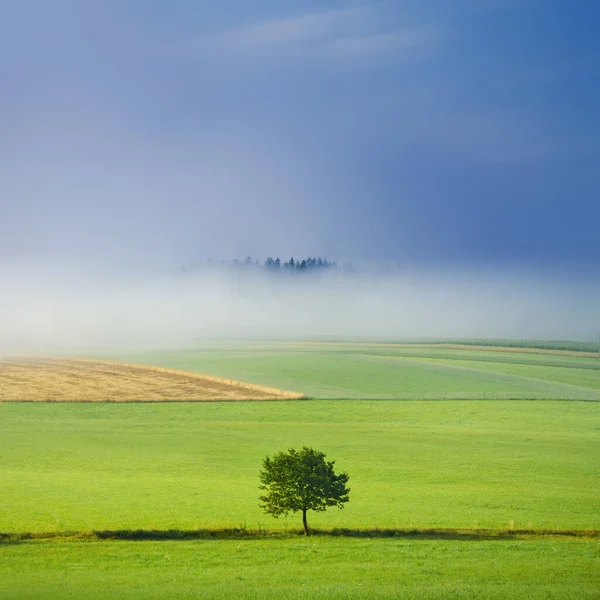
(393, 372)
(290, 568)
(432, 438)
(190, 465)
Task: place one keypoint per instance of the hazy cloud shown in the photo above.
(388, 42)
(67, 310)
(330, 36)
(303, 28)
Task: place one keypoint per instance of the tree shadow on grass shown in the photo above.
(10, 542)
(465, 535)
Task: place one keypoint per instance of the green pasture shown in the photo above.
(317, 567)
(431, 438)
(571, 346)
(525, 464)
(379, 371)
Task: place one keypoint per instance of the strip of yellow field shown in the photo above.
(90, 380)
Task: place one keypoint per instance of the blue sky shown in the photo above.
(421, 130)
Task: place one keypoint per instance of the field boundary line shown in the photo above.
(459, 534)
(194, 375)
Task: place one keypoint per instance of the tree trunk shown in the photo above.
(306, 532)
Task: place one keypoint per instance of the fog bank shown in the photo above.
(69, 311)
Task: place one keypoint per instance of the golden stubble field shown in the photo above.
(89, 380)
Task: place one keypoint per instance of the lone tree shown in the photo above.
(301, 481)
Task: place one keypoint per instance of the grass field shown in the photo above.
(300, 568)
(188, 465)
(456, 462)
(387, 371)
(536, 345)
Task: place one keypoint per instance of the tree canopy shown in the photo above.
(301, 481)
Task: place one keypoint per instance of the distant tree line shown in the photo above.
(276, 264)
(312, 264)
(299, 265)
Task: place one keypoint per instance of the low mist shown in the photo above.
(69, 310)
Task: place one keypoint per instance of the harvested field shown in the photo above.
(87, 380)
